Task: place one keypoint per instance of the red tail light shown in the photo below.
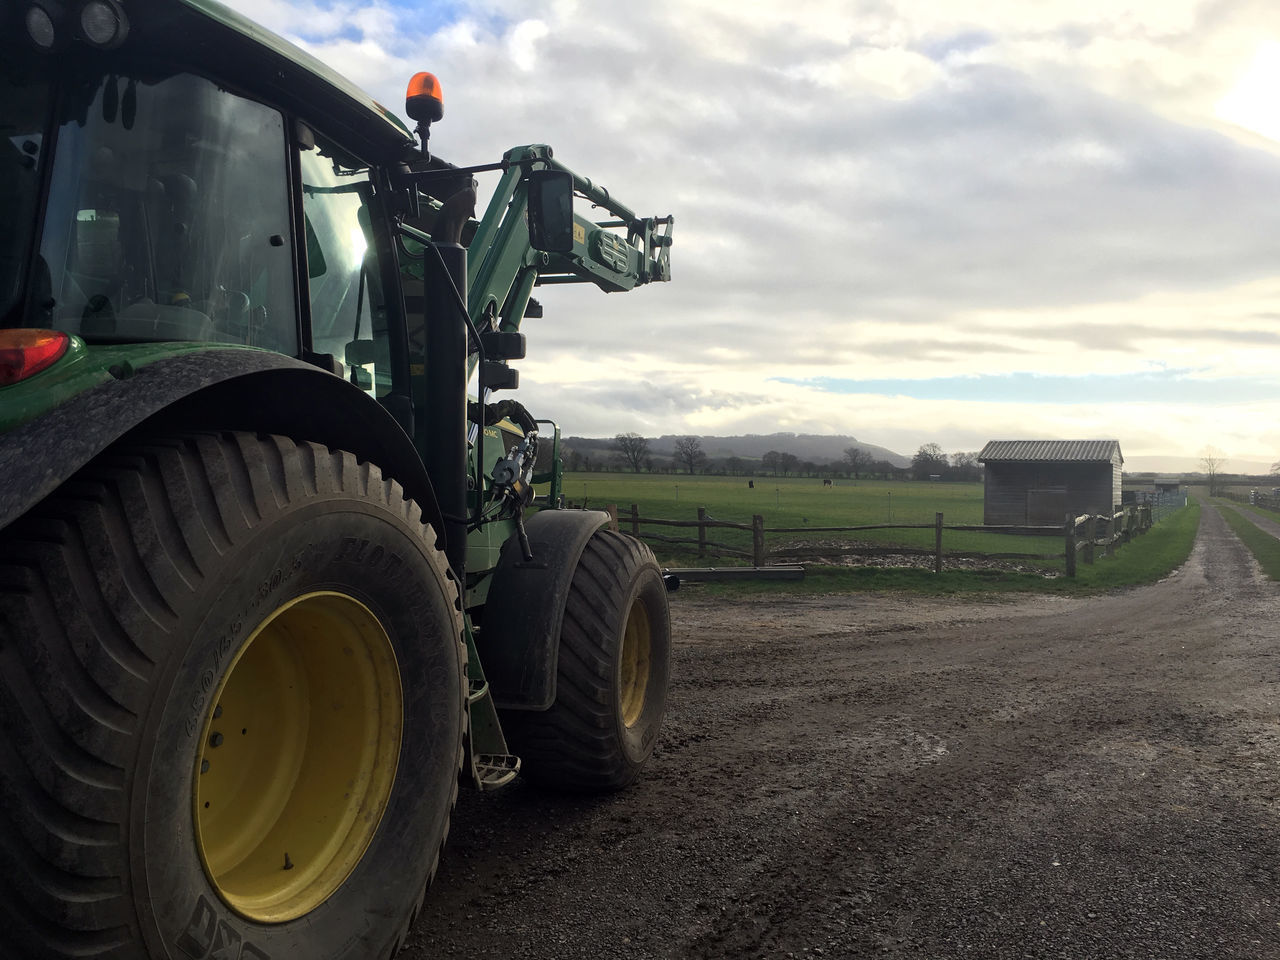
(24, 353)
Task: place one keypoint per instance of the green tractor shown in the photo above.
(273, 576)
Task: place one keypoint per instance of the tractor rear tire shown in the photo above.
(231, 707)
(611, 682)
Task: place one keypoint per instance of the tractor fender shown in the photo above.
(216, 389)
(519, 642)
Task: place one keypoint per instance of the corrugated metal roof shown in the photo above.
(1087, 451)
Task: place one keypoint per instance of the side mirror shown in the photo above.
(551, 210)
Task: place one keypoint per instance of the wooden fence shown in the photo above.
(1086, 533)
(1082, 536)
(1255, 498)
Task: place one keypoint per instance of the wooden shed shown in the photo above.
(1041, 481)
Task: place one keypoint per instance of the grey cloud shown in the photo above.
(932, 349)
(941, 47)
(1000, 194)
(1135, 336)
(649, 397)
(989, 189)
(605, 407)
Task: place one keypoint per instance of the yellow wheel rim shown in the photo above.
(298, 757)
(634, 680)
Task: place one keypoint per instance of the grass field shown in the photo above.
(793, 502)
(1261, 511)
(805, 502)
(1148, 559)
(783, 501)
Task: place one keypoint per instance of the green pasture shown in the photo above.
(783, 501)
(1260, 511)
(1149, 558)
(802, 503)
(807, 504)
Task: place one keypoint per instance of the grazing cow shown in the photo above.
(827, 483)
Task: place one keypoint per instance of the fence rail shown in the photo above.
(1255, 498)
(1082, 536)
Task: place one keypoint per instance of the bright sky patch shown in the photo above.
(1155, 387)
(1254, 102)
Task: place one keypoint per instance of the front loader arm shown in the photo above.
(503, 267)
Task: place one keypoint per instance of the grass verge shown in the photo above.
(1261, 511)
(1146, 560)
(1264, 547)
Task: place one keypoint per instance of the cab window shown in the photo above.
(348, 308)
(168, 217)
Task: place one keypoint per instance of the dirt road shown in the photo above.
(882, 777)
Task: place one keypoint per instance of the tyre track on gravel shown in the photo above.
(884, 776)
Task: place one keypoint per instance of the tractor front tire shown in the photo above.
(614, 664)
(231, 707)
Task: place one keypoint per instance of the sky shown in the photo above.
(908, 221)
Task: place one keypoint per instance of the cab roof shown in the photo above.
(265, 65)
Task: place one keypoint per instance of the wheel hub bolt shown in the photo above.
(215, 739)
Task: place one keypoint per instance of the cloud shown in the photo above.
(913, 189)
(523, 43)
(1156, 386)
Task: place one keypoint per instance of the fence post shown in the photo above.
(635, 520)
(1091, 534)
(937, 543)
(612, 510)
(1112, 534)
(1069, 549)
(702, 531)
(757, 540)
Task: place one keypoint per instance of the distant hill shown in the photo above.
(817, 448)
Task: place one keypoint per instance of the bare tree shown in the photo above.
(856, 460)
(688, 451)
(1212, 461)
(771, 460)
(965, 466)
(633, 447)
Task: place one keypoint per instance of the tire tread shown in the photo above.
(575, 744)
(75, 677)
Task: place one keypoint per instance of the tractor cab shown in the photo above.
(163, 214)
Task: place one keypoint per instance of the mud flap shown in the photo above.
(518, 643)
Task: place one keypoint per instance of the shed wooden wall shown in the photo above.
(1061, 487)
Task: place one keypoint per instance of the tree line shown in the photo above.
(631, 452)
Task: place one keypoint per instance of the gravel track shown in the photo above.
(879, 776)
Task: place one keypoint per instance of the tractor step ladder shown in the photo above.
(492, 766)
(494, 770)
